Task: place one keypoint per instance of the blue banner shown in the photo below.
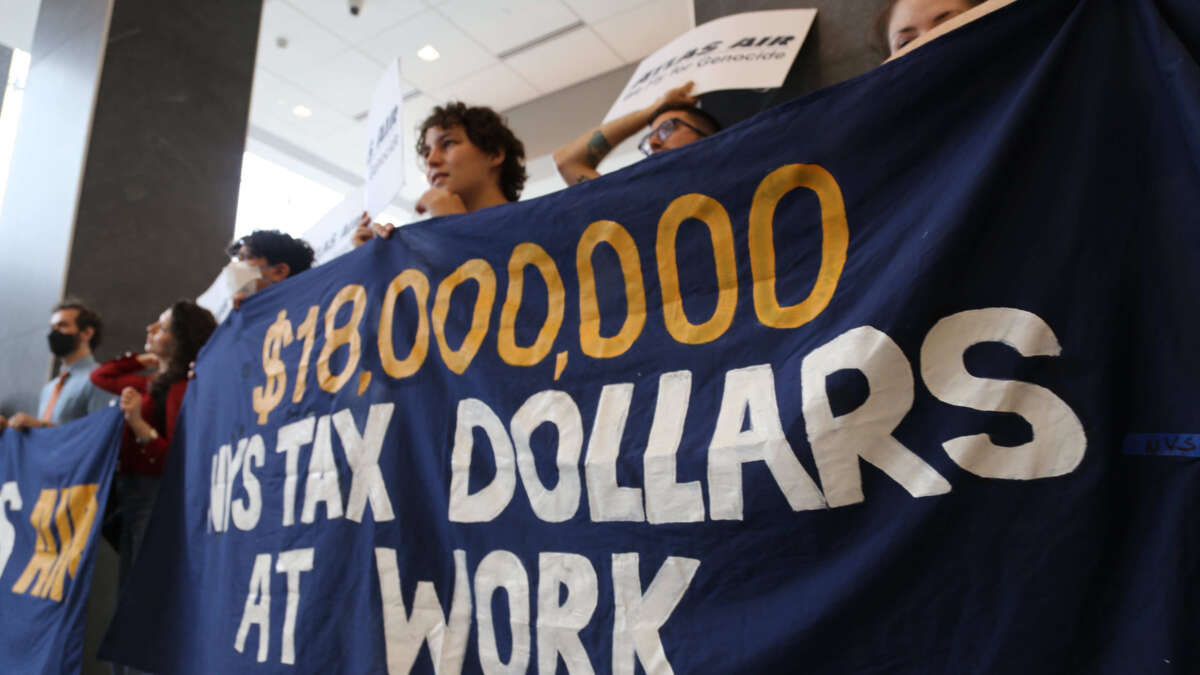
(54, 485)
(841, 389)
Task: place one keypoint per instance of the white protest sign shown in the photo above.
(385, 156)
(330, 237)
(753, 50)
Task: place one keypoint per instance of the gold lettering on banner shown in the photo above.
(306, 331)
(45, 575)
(593, 344)
(506, 341)
(409, 365)
(266, 397)
(478, 269)
(347, 335)
(710, 212)
(835, 240)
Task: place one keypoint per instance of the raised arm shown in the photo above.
(577, 160)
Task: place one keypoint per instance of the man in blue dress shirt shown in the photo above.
(74, 332)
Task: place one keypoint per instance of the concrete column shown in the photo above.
(160, 186)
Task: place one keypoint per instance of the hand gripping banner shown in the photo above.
(897, 377)
(54, 484)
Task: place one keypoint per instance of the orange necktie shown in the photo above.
(49, 411)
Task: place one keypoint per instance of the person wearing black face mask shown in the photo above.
(74, 332)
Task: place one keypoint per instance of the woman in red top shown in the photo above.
(150, 404)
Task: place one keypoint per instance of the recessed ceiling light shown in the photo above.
(428, 53)
(301, 111)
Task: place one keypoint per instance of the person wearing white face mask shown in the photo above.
(276, 256)
(75, 331)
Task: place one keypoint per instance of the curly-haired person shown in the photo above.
(472, 160)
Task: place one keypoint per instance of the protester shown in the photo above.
(150, 404)
(674, 120)
(277, 255)
(472, 160)
(899, 22)
(75, 331)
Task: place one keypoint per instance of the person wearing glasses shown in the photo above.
(674, 121)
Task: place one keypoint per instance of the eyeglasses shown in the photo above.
(663, 131)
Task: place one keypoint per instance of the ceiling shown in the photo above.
(499, 53)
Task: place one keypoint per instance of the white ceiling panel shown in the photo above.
(346, 82)
(592, 11)
(500, 25)
(565, 60)
(460, 55)
(375, 17)
(498, 87)
(639, 32)
(272, 104)
(307, 44)
(346, 147)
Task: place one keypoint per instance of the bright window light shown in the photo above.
(275, 198)
(14, 93)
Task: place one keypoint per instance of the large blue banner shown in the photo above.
(898, 377)
(54, 485)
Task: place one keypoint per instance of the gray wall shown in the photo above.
(36, 221)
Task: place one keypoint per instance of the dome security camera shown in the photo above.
(355, 6)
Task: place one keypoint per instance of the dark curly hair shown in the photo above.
(190, 327)
(487, 131)
(277, 247)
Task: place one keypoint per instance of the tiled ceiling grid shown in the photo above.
(499, 53)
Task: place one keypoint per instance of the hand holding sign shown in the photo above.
(752, 50)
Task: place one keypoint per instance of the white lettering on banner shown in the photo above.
(362, 454)
(405, 633)
(607, 501)
(322, 483)
(638, 616)
(10, 500)
(553, 407)
(257, 610)
(1058, 442)
(558, 624)
(666, 500)
(752, 390)
(226, 464)
(866, 432)
(292, 563)
(246, 512)
(749, 427)
(502, 569)
(490, 501)
(291, 438)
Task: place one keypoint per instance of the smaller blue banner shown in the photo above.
(53, 488)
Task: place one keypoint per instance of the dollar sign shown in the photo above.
(266, 397)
